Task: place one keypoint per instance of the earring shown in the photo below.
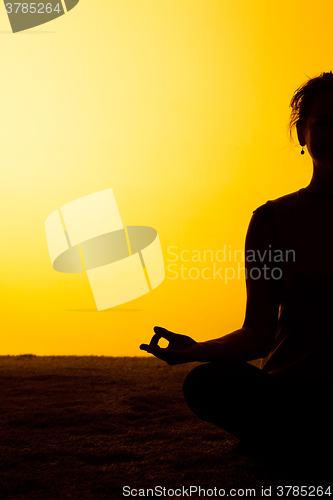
(302, 152)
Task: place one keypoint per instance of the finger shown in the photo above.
(156, 351)
(160, 329)
(161, 333)
(145, 347)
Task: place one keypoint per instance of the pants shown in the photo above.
(259, 408)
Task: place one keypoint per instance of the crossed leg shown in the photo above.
(256, 407)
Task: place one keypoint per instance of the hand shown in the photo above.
(180, 348)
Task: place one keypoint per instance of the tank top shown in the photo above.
(303, 222)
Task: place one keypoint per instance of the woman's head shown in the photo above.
(304, 97)
(312, 114)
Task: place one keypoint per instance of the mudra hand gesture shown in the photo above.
(181, 348)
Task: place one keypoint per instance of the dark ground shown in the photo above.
(85, 427)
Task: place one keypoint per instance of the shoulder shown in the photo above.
(266, 213)
(287, 201)
(262, 228)
(269, 211)
(283, 201)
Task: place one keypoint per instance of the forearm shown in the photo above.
(244, 344)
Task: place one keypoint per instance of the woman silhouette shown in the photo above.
(284, 405)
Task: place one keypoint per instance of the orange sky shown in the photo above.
(182, 109)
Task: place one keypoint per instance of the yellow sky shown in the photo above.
(181, 107)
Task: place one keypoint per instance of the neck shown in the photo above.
(322, 180)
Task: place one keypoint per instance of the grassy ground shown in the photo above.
(85, 427)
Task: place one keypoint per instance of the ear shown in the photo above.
(300, 134)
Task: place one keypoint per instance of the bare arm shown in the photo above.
(256, 337)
